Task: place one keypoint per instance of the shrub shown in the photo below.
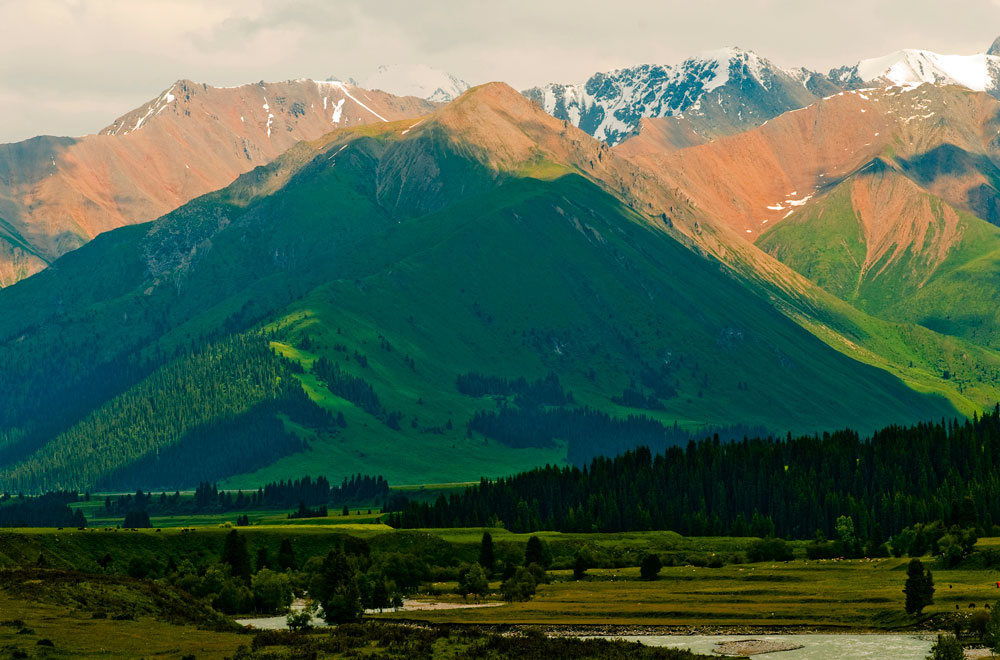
(650, 567)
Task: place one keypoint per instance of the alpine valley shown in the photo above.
(243, 285)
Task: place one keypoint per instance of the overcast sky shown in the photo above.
(70, 67)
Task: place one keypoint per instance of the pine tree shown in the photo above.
(486, 557)
(534, 552)
(286, 556)
(919, 588)
(235, 553)
(263, 560)
(579, 567)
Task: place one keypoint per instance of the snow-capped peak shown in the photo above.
(417, 80)
(609, 105)
(995, 48)
(909, 68)
(747, 63)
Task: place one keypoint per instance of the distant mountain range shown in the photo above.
(731, 90)
(58, 193)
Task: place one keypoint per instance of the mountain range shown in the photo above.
(58, 193)
(730, 90)
(439, 291)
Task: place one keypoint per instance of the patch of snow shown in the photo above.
(337, 111)
(910, 68)
(412, 127)
(339, 85)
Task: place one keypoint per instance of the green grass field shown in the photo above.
(109, 615)
(845, 594)
(800, 593)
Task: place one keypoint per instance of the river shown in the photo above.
(814, 646)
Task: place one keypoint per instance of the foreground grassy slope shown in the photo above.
(485, 290)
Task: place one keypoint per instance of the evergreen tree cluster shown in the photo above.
(547, 391)
(356, 390)
(283, 494)
(305, 512)
(589, 433)
(791, 487)
(206, 415)
(48, 510)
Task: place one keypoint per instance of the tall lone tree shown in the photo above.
(336, 589)
(534, 553)
(919, 588)
(286, 556)
(486, 557)
(235, 553)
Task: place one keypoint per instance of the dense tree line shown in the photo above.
(48, 510)
(204, 404)
(547, 391)
(790, 487)
(356, 390)
(208, 498)
(305, 512)
(589, 433)
(355, 489)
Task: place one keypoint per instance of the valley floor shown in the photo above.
(88, 616)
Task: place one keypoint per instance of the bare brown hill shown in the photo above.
(58, 193)
(944, 138)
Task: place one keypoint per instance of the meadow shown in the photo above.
(845, 594)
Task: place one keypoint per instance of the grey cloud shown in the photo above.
(72, 66)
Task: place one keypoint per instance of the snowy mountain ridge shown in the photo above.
(911, 67)
(610, 105)
(730, 90)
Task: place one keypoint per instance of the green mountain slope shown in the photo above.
(882, 243)
(405, 256)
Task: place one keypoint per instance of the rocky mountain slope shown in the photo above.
(732, 90)
(58, 193)
(886, 198)
(720, 92)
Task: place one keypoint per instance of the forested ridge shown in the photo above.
(209, 414)
(791, 487)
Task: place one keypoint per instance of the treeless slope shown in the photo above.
(190, 140)
(760, 177)
(660, 135)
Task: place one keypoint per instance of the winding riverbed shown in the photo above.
(814, 646)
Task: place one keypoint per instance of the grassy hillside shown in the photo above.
(489, 294)
(936, 269)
